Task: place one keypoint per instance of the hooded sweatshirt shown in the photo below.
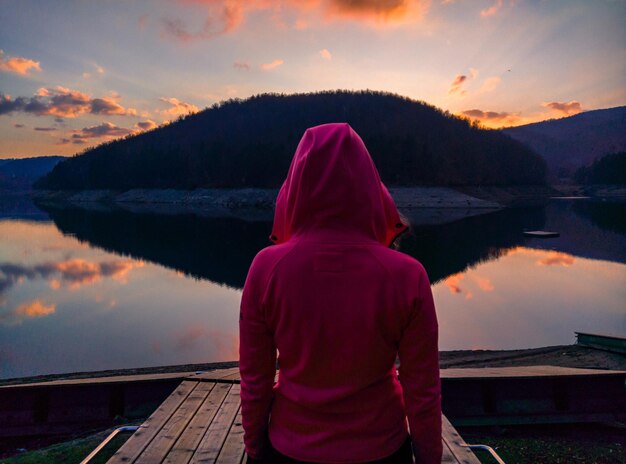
(338, 305)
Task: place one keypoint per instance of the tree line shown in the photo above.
(250, 143)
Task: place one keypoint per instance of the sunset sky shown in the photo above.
(76, 73)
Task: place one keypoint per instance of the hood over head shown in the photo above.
(334, 186)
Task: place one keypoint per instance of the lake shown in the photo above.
(86, 290)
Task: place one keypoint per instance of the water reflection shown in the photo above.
(530, 298)
(113, 289)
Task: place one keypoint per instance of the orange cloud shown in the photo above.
(556, 258)
(565, 108)
(492, 10)
(484, 283)
(324, 53)
(145, 125)
(105, 129)
(225, 16)
(17, 64)
(34, 309)
(453, 281)
(271, 65)
(178, 107)
(31, 310)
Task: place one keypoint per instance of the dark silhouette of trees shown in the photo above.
(610, 169)
(250, 143)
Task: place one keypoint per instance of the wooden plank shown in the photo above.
(135, 445)
(233, 449)
(234, 377)
(213, 440)
(215, 376)
(454, 441)
(183, 449)
(174, 427)
(447, 457)
(100, 380)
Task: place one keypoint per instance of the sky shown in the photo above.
(74, 74)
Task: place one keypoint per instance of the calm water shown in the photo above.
(90, 290)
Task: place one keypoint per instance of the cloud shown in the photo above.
(455, 87)
(18, 126)
(453, 281)
(488, 115)
(31, 310)
(178, 107)
(105, 129)
(71, 273)
(565, 108)
(271, 65)
(62, 103)
(145, 125)
(225, 16)
(556, 258)
(241, 66)
(490, 84)
(45, 129)
(99, 71)
(17, 64)
(492, 10)
(324, 53)
(483, 283)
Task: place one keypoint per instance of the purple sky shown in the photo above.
(76, 73)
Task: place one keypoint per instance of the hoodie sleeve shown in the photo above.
(257, 362)
(419, 375)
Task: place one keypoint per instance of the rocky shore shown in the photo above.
(405, 197)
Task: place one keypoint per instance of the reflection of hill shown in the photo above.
(589, 229)
(218, 249)
(221, 249)
(445, 249)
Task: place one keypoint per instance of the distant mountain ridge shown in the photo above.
(570, 143)
(20, 173)
(250, 143)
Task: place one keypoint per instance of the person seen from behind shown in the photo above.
(339, 306)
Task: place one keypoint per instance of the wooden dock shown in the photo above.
(200, 422)
(602, 342)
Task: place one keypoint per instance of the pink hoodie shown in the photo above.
(338, 304)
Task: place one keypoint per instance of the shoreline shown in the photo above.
(557, 355)
(235, 198)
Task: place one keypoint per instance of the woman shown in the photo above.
(338, 305)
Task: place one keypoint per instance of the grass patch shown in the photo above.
(71, 452)
(550, 444)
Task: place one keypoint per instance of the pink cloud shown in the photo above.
(18, 64)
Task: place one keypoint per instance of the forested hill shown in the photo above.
(250, 143)
(569, 143)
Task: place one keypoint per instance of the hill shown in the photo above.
(250, 143)
(20, 173)
(570, 143)
(610, 169)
